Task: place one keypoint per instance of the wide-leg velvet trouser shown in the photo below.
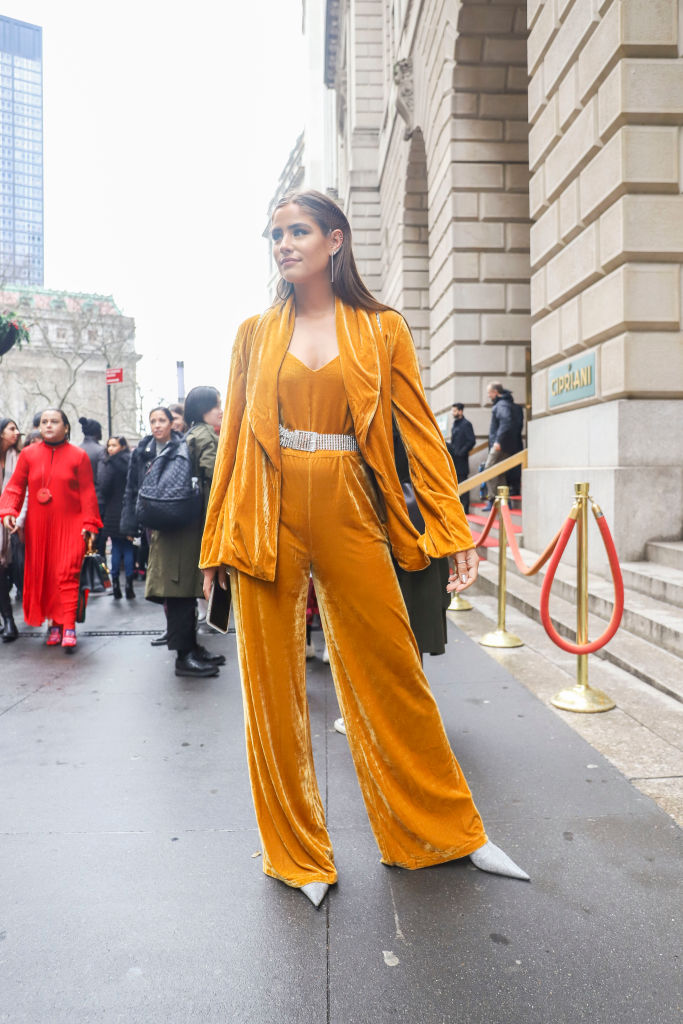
(420, 807)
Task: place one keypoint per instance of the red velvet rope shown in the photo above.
(595, 645)
(487, 528)
(526, 570)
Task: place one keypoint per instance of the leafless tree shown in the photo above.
(76, 339)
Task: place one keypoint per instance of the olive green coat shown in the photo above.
(173, 570)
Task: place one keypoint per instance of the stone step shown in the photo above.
(666, 552)
(654, 665)
(655, 580)
(653, 620)
(649, 578)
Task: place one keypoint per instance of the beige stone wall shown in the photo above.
(473, 102)
(512, 172)
(434, 175)
(606, 106)
(360, 109)
(405, 238)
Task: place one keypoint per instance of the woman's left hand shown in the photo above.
(466, 570)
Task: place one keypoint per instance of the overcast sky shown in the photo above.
(166, 128)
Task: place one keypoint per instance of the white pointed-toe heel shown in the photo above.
(490, 857)
(316, 892)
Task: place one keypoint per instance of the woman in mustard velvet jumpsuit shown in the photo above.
(305, 482)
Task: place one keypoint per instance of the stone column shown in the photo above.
(364, 109)
(606, 106)
(477, 166)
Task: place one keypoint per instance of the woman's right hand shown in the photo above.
(209, 575)
(10, 522)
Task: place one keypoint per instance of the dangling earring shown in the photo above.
(332, 255)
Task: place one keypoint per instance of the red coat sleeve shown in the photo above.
(12, 497)
(90, 512)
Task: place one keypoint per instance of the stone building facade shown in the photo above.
(74, 337)
(512, 175)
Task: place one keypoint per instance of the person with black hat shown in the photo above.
(92, 436)
(96, 452)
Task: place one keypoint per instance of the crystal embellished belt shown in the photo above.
(310, 441)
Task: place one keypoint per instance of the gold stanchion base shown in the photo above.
(500, 638)
(582, 698)
(459, 604)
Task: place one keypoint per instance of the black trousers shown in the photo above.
(100, 543)
(462, 471)
(181, 623)
(5, 601)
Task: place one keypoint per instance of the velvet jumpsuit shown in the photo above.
(418, 802)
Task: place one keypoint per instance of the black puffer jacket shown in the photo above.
(111, 486)
(507, 420)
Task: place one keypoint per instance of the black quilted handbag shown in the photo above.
(169, 496)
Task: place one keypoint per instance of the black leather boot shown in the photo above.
(188, 664)
(130, 593)
(9, 629)
(116, 586)
(207, 657)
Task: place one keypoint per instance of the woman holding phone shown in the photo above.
(305, 481)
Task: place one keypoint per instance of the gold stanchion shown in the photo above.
(582, 697)
(500, 637)
(459, 604)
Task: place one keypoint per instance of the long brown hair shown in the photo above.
(347, 284)
(4, 423)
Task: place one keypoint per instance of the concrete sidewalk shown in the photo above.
(131, 883)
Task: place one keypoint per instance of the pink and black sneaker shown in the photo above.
(69, 638)
(54, 636)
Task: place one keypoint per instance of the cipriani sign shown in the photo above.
(572, 381)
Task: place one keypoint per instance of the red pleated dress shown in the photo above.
(54, 542)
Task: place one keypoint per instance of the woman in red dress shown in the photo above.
(62, 508)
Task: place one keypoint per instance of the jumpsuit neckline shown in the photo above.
(313, 399)
(310, 368)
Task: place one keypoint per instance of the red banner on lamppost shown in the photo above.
(114, 376)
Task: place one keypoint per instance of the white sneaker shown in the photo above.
(339, 726)
(310, 650)
(326, 656)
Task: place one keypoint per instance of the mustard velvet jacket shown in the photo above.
(382, 380)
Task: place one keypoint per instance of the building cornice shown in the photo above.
(51, 298)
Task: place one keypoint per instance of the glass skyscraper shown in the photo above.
(21, 153)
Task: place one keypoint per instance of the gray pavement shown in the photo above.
(131, 887)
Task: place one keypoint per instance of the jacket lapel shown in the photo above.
(357, 333)
(271, 341)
